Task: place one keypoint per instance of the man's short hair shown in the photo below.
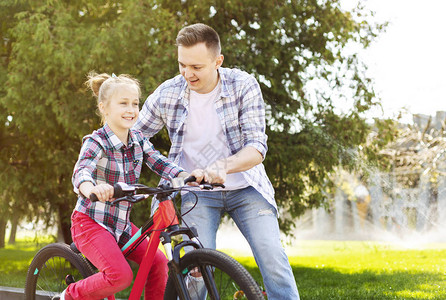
(199, 33)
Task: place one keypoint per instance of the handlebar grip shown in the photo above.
(117, 193)
(193, 178)
(93, 197)
(190, 179)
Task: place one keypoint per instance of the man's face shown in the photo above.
(199, 65)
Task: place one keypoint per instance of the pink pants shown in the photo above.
(115, 274)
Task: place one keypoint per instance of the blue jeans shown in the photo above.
(257, 220)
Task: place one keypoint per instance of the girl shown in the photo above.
(113, 153)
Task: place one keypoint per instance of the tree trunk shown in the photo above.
(2, 233)
(13, 232)
(65, 224)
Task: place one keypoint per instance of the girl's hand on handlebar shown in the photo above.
(104, 192)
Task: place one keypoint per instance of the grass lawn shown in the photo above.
(15, 260)
(323, 269)
(365, 270)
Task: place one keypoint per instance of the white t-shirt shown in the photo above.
(204, 141)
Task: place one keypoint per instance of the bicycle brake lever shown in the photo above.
(210, 186)
(125, 198)
(206, 186)
(131, 199)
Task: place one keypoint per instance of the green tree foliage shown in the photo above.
(11, 162)
(287, 45)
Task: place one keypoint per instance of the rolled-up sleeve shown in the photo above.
(86, 163)
(252, 116)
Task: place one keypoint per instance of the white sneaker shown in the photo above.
(61, 296)
(196, 287)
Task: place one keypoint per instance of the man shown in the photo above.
(215, 118)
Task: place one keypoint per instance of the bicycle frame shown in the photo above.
(184, 270)
(163, 219)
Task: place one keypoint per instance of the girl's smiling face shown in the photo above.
(122, 109)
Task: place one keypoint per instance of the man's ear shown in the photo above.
(219, 61)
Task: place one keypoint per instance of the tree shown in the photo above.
(287, 45)
(11, 141)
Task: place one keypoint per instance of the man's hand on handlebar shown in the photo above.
(213, 174)
(216, 172)
(197, 173)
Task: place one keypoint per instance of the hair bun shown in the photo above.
(95, 81)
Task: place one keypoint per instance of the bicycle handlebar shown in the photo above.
(126, 192)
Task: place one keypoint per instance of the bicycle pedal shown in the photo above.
(69, 279)
(239, 295)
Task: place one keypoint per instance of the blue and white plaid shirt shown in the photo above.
(241, 110)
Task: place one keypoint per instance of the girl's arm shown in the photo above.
(83, 175)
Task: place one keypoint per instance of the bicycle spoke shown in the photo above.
(52, 275)
(221, 283)
(47, 272)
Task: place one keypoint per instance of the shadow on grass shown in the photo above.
(328, 283)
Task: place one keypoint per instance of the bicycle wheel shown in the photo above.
(49, 268)
(231, 279)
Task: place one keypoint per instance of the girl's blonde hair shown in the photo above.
(103, 85)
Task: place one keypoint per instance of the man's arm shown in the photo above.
(252, 123)
(243, 160)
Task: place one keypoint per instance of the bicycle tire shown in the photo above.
(230, 276)
(48, 269)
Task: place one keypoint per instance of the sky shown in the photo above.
(408, 61)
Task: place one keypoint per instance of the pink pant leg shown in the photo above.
(156, 281)
(100, 247)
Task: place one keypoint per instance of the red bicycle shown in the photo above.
(199, 274)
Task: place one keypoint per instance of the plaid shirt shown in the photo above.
(105, 159)
(241, 110)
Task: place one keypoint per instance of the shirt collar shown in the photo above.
(224, 83)
(115, 142)
(184, 89)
